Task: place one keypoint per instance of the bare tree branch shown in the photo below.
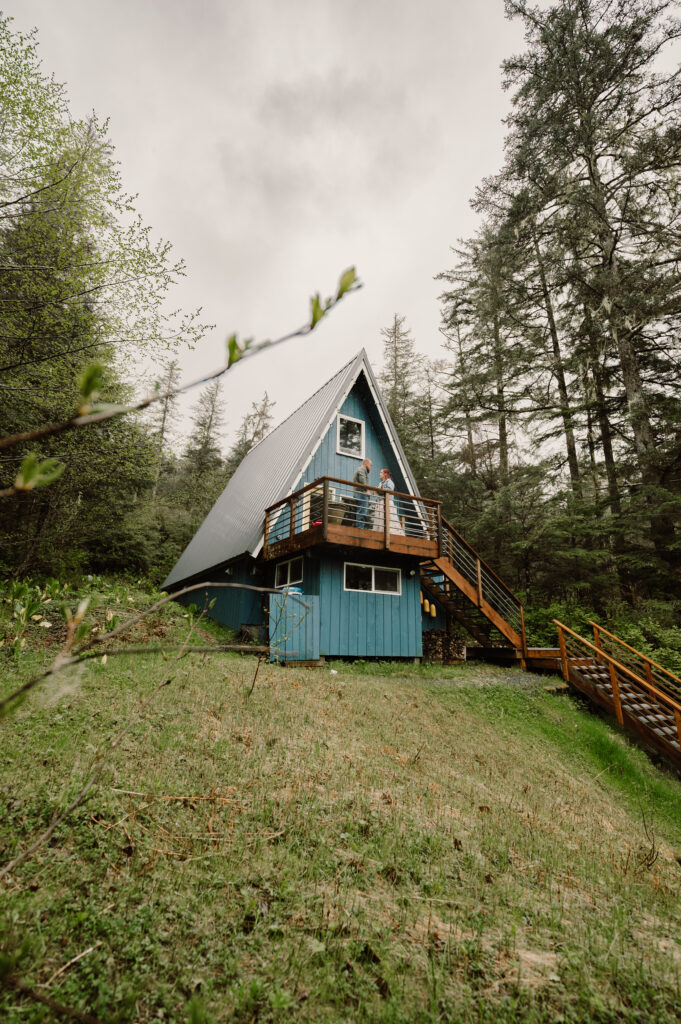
(236, 354)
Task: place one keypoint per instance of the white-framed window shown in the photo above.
(373, 579)
(350, 436)
(288, 573)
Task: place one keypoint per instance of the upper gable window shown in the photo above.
(350, 437)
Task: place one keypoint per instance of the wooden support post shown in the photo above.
(478, 568)
(266, 543)
(677, 716)
(563, 655)
(597, 637)
(291, 525)
(522, 633)
(325, 510)
(649, 672)
(439, 531)
(386, 520)
(616, 693)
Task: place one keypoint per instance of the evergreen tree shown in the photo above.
(398, 378)
(81, 281)
(255, 425)
(596, 134)
(203, 452)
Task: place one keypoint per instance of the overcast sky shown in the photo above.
(277, 143)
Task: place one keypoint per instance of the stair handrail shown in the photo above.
(482, 561)
(601, 654)
(644, 657)
(497, 580)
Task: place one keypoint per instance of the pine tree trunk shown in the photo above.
(565, 410)
(662, 527)
(590, 440)
(501, 404)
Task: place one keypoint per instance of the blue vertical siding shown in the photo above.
(327, 462)
(232, 607)
(363, 625)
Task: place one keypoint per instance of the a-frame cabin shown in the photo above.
(364, 559)
(376, 568)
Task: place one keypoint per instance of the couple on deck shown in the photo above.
(370, 510)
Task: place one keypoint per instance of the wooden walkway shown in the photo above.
(644, 697)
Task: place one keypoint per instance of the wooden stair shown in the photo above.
(472, 593)
(644, 697)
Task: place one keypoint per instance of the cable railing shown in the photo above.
(632, 697)
(331, 506)
(488, 586)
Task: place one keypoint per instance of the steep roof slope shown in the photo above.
(234, 525)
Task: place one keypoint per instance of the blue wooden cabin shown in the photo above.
(291, 519)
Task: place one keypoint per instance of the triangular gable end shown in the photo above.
(271, 471)
(363, 369)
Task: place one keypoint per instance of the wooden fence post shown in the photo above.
(386, 519)
(291, 525)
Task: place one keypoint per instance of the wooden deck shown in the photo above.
(328, 512)
(351, 537)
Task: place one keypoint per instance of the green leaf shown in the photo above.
(346, 282)
(81, 631)
(28, 474)
(234, 351)
(317, 311)
(37, 473)
(90, 381)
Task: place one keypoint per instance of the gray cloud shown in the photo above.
(276, 143)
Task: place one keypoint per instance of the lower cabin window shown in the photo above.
(288, 573)
(374, 579)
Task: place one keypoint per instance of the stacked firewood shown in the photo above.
(440, 646)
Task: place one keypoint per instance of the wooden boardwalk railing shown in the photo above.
(638, 703)
(639, 663)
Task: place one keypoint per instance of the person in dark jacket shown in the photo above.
(361, 478)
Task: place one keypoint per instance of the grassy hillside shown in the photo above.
(345, 844)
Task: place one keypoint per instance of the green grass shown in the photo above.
(353, 843)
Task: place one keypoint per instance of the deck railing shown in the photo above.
(330, 503)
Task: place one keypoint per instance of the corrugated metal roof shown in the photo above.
(234, 525)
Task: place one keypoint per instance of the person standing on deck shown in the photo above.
(387, 484)
(361, 479)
